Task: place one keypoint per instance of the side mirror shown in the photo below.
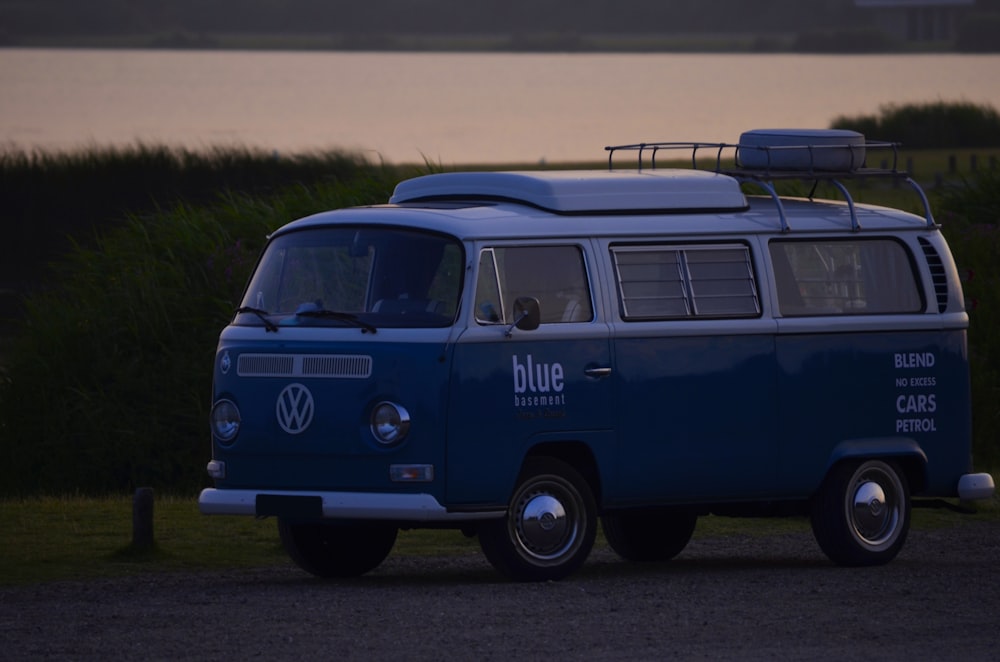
(526, 314)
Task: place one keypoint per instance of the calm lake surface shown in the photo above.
(454, 108)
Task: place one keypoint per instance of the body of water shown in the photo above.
(454, 108)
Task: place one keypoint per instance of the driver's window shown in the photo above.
(489, 304)
(554, 275)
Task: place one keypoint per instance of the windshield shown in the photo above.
(350, 276)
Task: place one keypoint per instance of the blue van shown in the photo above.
(524, 355)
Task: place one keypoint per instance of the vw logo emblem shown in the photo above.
(295, 408)
(225, 363)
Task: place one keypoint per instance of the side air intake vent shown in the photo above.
(937, 274)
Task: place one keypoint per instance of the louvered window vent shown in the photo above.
(938, 274)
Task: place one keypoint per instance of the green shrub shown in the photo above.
(930, 125)
(108, 384)
(970, 216)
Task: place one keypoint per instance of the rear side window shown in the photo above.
(555, 275)
(679, 282)
(845, 277)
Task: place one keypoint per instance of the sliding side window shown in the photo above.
(873, 276)
(685, 281)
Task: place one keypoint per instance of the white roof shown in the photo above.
(513, 221)
(578, 191)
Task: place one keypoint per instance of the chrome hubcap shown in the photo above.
(874, 508)
(870, 511)
(543, 523)
(544, 528)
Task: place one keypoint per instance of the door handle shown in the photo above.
(597, 372)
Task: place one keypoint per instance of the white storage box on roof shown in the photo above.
(836, 150)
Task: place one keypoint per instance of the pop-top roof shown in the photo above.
(582, 191)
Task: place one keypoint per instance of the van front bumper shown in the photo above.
(975, 486)
(340, 505)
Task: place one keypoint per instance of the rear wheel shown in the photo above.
(336, 549)
(862, 513)
(648, 535)
(550, 525)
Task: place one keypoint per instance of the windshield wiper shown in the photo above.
(350, 318)
(269, 326)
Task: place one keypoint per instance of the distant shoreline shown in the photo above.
(500, 43)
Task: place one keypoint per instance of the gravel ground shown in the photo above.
(735, 598)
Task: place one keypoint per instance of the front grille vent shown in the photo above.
(938, 275)
(339, 366)
(265, 365)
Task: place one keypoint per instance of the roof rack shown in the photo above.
(754, 162)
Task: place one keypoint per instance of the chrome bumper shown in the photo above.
(343, 505)
(975, 486)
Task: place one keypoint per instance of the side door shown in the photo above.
(512, 389)
(695, 368)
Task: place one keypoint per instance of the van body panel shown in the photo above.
(336, 449)
(519, 354)
(838, 387)
(696, 418)
(511, 394)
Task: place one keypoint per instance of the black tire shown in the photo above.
(648, 535)
(550, 525)
(862, 513)
(336, 549)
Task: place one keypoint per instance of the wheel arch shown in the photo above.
(905, 452)
(577, 454)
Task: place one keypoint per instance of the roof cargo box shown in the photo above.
(836, 150)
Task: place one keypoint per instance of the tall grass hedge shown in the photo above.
(932, 125)
(106, 386)
(970, 216)
(51, 197)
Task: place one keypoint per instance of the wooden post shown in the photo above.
(142, 518)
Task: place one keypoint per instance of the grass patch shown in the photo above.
(923, 518)
(63, 538)
(50, 538)
(78, 538)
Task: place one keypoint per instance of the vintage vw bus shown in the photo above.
(522, 355)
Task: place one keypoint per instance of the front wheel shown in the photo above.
(550, 525)
(862, 513)
(336, 549)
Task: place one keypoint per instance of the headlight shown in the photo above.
(390, 423)
(225, 420)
